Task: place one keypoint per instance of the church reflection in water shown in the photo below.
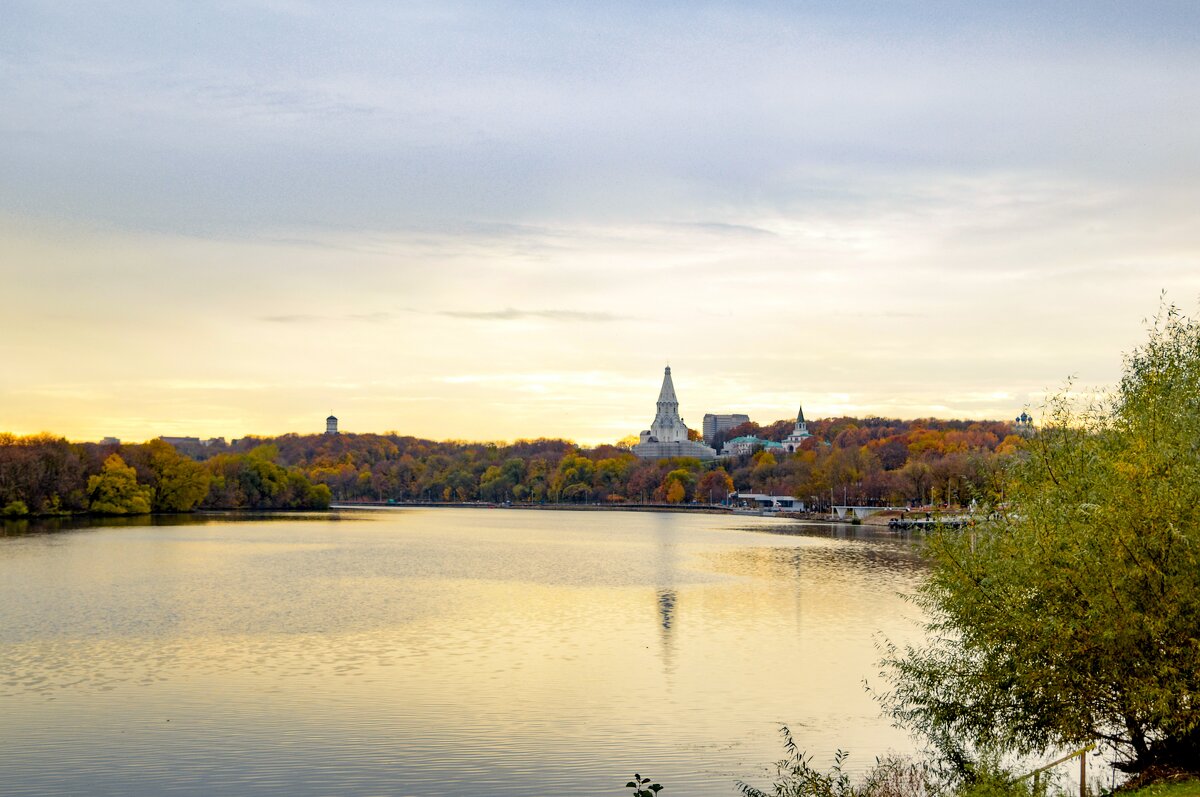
(666, 609)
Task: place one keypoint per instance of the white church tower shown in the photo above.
(799, 433)
(667, 436)
(668, 426)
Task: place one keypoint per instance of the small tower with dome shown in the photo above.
(331, 425)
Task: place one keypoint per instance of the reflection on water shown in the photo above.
(666, 607)
(456, 652)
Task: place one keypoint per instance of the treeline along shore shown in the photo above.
(859, 461)
(46, 475)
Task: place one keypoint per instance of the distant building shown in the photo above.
(181, 441)
(1023, 424)
(111, 441)
(668, 436)
(331, 425)
(799, 434)
(766, 503)
(746, 444)
(715, 424)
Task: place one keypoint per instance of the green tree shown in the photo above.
(14, 509)
(493, 486)
(573, 481)
(115, 490)
(179, 483)
(255, 481)
(610, 473)
(1076, 616)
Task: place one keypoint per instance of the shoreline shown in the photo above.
(710, 509)
(627, 507)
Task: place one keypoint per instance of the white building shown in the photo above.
(331, 425)
(799, 434)
(747, 444)
(668, 436)
(766, 503)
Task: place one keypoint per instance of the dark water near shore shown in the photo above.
(438, 652)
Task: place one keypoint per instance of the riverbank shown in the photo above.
(692, 509)
(712, 509)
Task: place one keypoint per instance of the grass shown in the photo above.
(1187, 788)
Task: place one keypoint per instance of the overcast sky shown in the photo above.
(501, 220)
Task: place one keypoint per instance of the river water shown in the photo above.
(439, 652)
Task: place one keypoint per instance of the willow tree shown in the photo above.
(1075, 616)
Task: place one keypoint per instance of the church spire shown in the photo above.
(799, 434)
(667, 394)
(668, 426)
(667, 436)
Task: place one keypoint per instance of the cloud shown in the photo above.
(295, 318)
(512, 314)
(441, 115)
(725, 228)
(313, 318)
(507, 314)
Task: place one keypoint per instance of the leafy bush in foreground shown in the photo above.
(795, 776)
(1075, 617)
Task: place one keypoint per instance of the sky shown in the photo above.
(489, 221)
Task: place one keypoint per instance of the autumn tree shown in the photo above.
(919, 478)
(678, 482)
(45, 473)
(628, 441)
(573, 481)
(609, 475)
(254, 480)
(763, 470)
(49, 475)
(493, 486)
(746, 429)
(643, 480)
(714, 486)
(178, 482)
(115, 490)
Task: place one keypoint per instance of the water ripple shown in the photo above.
(435, 653)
